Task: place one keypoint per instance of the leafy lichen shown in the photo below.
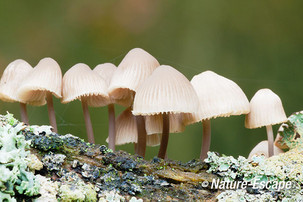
(14, 172)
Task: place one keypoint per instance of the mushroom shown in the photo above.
(166, 91)
(41, 83)
(126, 130)
(11, 79)
(265, 110)
(80, 82)
(154, 123)
(262, 149)
(106, 71)
(218, 97)
(135, 68)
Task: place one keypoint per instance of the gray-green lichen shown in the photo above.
(15, 177)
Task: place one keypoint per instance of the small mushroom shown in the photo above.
(265, 110)
(166, 91)
(41, 83)
(106, 71)
(11, 79)
(262, 149)
(218, 97)
(126, 130)
(154, 124)
(135, 67)
(80, 82)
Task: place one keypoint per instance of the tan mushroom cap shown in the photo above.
(262, 149)
(166, 90)
(11, 79)
(106, 71)
(153, 140)
(218, 97)
(126, 130)
(265, 109)
(80, 81)
(136, 66)
(45, 77)
(154, 124)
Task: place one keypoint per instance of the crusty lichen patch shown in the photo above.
(48, 190)
(73, 188)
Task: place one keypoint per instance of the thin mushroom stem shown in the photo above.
(270, 137)
(141, 145)
(23, 112)
(205, 139)
(165, 136)
(51, 111)
(111, 127)
(88, 123)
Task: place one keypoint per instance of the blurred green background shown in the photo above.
(257, 44)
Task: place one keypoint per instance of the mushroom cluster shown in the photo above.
(35, 86)
(158, 98)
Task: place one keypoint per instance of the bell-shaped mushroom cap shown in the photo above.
(166, 90)
(126, 130)
(106, 71)
(153, 140)
(80, 81)
(265, 109)
(262, 149)
(136, 66)
(45, 77)
(154, 124)
(11, 79)
(218, 97)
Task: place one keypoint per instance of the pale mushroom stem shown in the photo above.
(205, 139)
(51, 111)
(23, 112)
(88, 123)
(270, 137)
(141, 145)
(111, 127)
(165, 136)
